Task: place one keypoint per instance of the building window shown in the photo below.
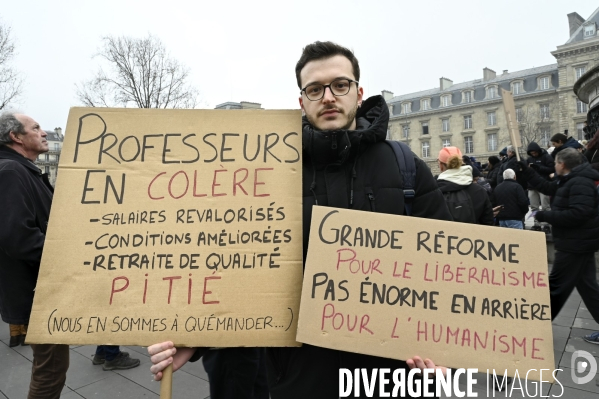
(424, 127)
(446, 143)
(545, 136)
(589, 30)
(491, 92)
(405, 108)
(57, 158)
(580, 71)
(544, 111)
(426, 149)
(519, 114)
(491, 119)
(468, 145)
(467, 96)
(406, 131)
(425, 105)
(445, 101)
(544, 83)
(517, 88)
(579, 127)
(445, 124)
(47, 169)
(46, 157)
(581, 107)
(492, 142)
(467, 122)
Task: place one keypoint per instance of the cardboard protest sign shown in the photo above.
(180, 225)
(511, 119)
(463, 295)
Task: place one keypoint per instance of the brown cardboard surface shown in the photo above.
(397, 287)
(512, 122)
(180, 225)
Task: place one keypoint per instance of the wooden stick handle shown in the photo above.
(166, 384)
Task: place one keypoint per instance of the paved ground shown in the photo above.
(85, 380)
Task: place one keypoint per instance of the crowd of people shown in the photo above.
(347, 169)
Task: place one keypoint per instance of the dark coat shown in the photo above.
(512, 163)
(480, 199)
(345, 169)
(513, 198)
(25, 199)
(573, 216)
(492, 175)
(545, 164)
(570, 143)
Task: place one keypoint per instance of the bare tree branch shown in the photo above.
(11, 83)
(535, 121)
(140, 74)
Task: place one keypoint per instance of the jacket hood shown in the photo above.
(535, 147)
(571, 143)
(337, 146)
(461, 177)
(584, 170)
(9, 153)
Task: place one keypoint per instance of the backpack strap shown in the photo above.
(407, 168)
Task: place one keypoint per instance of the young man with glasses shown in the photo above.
(346, 164)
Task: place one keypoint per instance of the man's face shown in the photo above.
(556, 144)
(559, 167)
(534, 154)
(32, 141)
(330, 112)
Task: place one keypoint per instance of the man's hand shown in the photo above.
(417, 362)
(165, 353)
(535, 167)
(497, 209)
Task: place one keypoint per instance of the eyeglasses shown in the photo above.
(339, 87)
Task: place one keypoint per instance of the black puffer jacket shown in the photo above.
(545, 165)
(355, 170)
(25, 199)
(513, 198)
(573, 215)
(483, 210)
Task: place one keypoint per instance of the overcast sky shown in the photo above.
(247, 50)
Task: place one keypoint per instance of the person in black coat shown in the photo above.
(560, 142)
(511, 162)
(457, 177)
(493, 170)
(543, 163)
(25, 200)
(575, 224)
(346, 164)
(510, 196)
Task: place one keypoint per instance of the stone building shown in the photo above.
(48, 162)
(470, 115)
(241, 105)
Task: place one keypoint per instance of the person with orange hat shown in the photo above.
(467, 202)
